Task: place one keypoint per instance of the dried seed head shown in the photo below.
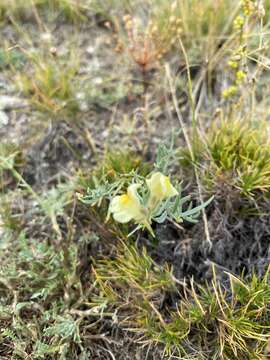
(119, 47)
(260, 9)
(238, 22)
(229, 92)
(172, 19)
(53, 51)
(108, 25)
(46, 37)
(174, 6)
(127, 18)
(129, 25)
(154, 29)
(233, 64)
(240, 76)
(248, 7)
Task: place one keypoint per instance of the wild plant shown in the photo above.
(144, 199)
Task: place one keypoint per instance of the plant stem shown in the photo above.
(182, 124)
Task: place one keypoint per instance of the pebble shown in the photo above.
(3, 119)
(8, 103)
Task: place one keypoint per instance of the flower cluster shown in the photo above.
(237, 62)
(248, 7)
(130, 206)
(238, 65)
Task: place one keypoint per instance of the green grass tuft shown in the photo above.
(236, 152)
(52, 85)
(72, 10)
(242, 149)
(226, 324)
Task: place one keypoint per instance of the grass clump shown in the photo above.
(51, 83)
(116, 166)
(237, 152)
(242, 149)
(209, 320)
(72, 10)
(121, 162)
(135, 268)
(130, 281)
(200, 33)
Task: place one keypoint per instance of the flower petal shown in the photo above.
(122, 217)
(127, 206)
(168, 189)
(132, 193)
(160, 187)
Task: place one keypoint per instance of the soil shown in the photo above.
(240, 245)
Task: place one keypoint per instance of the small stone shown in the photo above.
(90, 50)
(46, 37)
(3, 119)
(97, 81)
(12, 103)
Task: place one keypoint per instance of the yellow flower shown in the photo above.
(229, 92)
(160, 188)
(233, 64)
(240, 76)
(238, 22)
(127, 207)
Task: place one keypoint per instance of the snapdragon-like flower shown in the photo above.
(160, 188)
(128, 207)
